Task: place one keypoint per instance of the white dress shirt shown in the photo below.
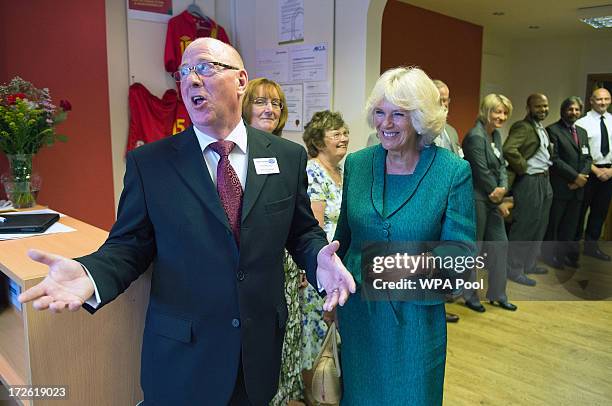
(238, 159)
(591, 122)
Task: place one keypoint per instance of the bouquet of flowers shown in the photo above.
(27, 122)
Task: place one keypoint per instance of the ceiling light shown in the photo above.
(597, 17)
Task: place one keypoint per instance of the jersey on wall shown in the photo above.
(184, 28)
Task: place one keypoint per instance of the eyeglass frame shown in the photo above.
(338, 136)
(267, 101)
(195, 70)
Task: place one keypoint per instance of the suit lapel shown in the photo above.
(191, 167)
(568, 135)
(379, 173)
(258, 148)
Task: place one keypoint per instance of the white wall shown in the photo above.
(257, 28)
(557, 67)
(350, 27)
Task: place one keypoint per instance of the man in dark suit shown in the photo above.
(528, 152)
(569, 175)
(213, 209)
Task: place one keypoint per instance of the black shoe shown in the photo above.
(477, 307)
(452, 318)
(571, 262)
(573, 256)
(538, 270)
(552, 261)
(523, 280)
(597, 253)
(504, 305)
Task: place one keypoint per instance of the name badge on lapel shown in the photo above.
(496, 151)
(265, 166)
(585, 150)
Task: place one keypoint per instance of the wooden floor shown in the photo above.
(548, 352)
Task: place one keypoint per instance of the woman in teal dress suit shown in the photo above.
(405, 189)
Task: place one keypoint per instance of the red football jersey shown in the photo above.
(184, 28)
(152, 118)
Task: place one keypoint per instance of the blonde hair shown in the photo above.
(412, 90)
(267, 85)
(490, 103)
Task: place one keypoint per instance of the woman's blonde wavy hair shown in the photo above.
(411, 89)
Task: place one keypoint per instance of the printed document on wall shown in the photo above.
(308, 62)
(295, 102)
(290, 21)
(317, 97)
(273, 64)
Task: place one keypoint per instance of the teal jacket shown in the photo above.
(437, 205)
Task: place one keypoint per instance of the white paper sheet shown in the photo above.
(308, 62)
(290, 21)
(295, 102)
(273, 64)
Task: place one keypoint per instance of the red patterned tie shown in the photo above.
(228, 186)
(575, 135)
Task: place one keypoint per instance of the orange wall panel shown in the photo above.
(62, 45)
(446, 48)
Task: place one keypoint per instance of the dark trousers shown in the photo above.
(597, 196)
(562, 226)
(492, 240)
(532, 201)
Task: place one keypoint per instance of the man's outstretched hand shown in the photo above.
(333, 277)
(66, 286)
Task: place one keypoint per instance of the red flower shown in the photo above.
(65, 105)
(12, 98)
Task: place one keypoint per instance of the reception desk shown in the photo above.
(96, 357)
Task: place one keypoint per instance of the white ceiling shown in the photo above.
(556, 18)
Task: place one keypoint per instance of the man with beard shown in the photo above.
(528, 152)
(598, 190)
(569, 175)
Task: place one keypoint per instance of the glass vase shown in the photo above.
(21, 184)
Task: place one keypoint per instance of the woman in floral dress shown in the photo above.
(326, 137)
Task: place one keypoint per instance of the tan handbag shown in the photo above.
(326, 388)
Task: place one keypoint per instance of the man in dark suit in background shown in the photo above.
(213, 209)
(569, 174)
(528, 152)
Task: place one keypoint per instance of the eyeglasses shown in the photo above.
(262, 102)
(337, 135)
(205, 69)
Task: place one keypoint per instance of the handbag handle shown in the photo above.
(325, 350)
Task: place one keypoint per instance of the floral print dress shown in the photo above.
(321, 187)
(305, 330)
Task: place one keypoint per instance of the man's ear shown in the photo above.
(242, 79)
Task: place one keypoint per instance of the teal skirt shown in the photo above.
(393, 353)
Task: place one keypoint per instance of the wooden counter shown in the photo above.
(96, 356)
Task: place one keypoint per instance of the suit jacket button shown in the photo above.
(386, 225)
(386, 233)
(235, 323)
(240, 275)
